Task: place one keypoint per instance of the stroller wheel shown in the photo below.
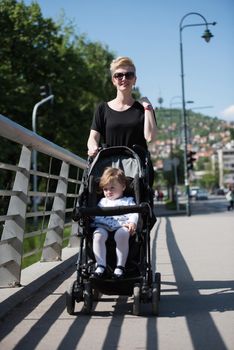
(88, 301)
(136, 299)
(155, 299)
(70, 299)
(158, 282)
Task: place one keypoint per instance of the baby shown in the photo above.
(113, 183)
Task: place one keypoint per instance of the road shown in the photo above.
(214, 204)
(195, 257)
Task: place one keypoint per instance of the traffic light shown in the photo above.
(190, 159)
(45, 90)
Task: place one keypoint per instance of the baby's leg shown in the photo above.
(100, 236)
(122, 247)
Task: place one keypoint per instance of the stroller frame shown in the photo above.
(138, 280)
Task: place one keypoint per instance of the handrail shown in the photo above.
(23, 136)
(52, 216)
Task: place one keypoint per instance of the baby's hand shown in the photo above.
(131, 228)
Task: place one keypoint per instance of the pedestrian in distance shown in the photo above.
(113, 182)
(230, 198)
(123, 121)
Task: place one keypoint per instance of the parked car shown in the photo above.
(220, 191)
(201, 194)
(193, 191)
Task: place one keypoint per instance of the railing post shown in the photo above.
(74, 240)
(52, 249)
(11, 247)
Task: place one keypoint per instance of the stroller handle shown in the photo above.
(80, 212)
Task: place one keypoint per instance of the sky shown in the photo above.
(148, 32)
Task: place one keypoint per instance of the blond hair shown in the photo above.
(120, 62)
(112, 174)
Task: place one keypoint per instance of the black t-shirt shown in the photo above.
(120, 128)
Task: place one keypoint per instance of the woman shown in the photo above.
(122, 121)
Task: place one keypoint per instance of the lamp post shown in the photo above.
(206, 36)
(34, 154)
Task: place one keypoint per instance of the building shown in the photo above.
(226, 164)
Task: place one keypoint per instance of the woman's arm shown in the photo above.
(150, 127)
(93, 143)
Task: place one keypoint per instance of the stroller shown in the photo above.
(139, 280)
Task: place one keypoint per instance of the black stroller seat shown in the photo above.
(138, 279)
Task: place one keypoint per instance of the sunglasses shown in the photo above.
(127, 75)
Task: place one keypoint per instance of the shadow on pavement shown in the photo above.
(194, 306)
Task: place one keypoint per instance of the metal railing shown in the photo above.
(56, 198)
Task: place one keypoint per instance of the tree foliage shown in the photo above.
(232, 134)
(209, 181)
(35, 51)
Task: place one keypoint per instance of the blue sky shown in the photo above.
(148, 32)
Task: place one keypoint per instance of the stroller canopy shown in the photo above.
(122, 157)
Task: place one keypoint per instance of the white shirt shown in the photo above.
(112, 223)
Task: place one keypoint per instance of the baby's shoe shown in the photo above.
(99, 272)
(119, 272)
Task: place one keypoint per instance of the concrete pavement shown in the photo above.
(33, 278)
(195, 258)
(36, 276)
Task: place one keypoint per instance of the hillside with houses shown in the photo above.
(206, 136)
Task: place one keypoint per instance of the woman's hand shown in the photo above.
(92, 152)
(93, 143)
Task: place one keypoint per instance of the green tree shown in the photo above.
(209, 181)
(202, 163)
(35, 51)
(232, 134)
(29, 44)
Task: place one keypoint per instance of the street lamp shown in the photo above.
(34, 154)
(206, 36)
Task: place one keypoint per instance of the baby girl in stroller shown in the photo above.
(113, 183)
